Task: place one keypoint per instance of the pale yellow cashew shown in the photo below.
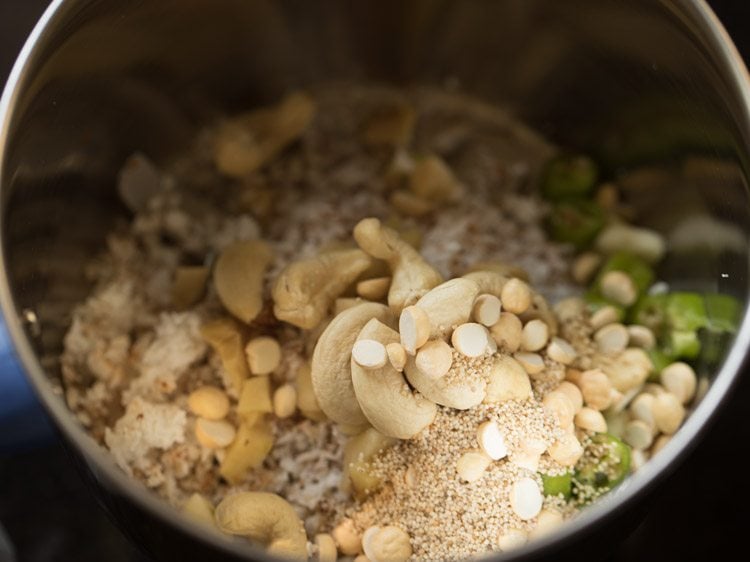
(412, 275)
(449, 305)
(386, 400)
(266, 518)
(331, 362)
(305, 290)
(459, 394)
(238, 277)
(489, 282)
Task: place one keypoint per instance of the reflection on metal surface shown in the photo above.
(647, 85)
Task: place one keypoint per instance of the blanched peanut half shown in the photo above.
(573, 393)
(638, 434)
(526, 499)
(369, 354)
(374, 289)
(326, 546)
(512, 539)
(535, 335)
(214, 434)
(528, 453)
(414, 328)
(387, 544)
(347, 538)
(679, 379)
(263, 355)
(491, 440)
(591, 420)
(638, 458)
(515, 296)
(641, 336)
(566, 450)
(619, 287)
(284, 401)
(585, 266)
(547, 521)
(668, 413)
(472, 465)
(605, 315)
(487, 309)
(612, 338)
(570, 308)
(561, 351)
(660, 443)
(596, 389)
(470, 339)
(531, 362)
(396, 355)
(507, 332)
(642, 408)
(209, 402)
(560, 406)
(434, 359)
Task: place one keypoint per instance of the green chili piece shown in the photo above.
(605, 463)
(686, 311)
(650, 311)
(569, 177)
(683, 344)
(554, 485)
(723, 312)
(660, 360)
(576, 222)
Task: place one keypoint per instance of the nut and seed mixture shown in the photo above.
(214, 358)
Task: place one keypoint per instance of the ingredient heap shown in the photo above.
(311, 329)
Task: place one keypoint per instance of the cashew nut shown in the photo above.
(386, 400)
(238, 277)
(200, 509)
(626, 370)
(358, 452)
(488, 282)
(540, 310)
(306, 289)
(189, 286)
(331, 362)
(412, 275)
(507, 381)
(250, 140)
(225, 336)
(459, 394)
(387, 544)
(266, 518)
(502, 268)
(449, 305)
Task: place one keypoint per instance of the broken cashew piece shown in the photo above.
(331, 362)
(508, 380)
(385, 398)
(250, 140)
(266, 518)
(412, 275)
(449, 305)
(305, 290)
(238, 277)
(358, 453)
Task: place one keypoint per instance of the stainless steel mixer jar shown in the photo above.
(638, 83)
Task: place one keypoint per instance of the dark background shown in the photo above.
(701, 511)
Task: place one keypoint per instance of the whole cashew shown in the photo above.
(540, 309)
(489, 282)
(305, 290)
(448, 305)
(458, 394)
(386, 400)
(331, 362)
(412, 275)
(266, 518)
